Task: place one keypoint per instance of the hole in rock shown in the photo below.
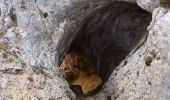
(107, 36)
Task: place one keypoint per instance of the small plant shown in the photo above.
(109, 98)
(125, 62)
(165, 2)
(148, 60)
(13, 16)
(19, 71)
(45, 14)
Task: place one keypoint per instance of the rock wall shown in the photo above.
(35, 35)
(137, 80)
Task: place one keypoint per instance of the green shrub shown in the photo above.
(125, 62)
(45, 15)
(148, 60)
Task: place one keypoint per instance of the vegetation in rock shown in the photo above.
(125, 62)
(165, 2)
(13, 16)
(19, 71)
(109, 98)
(148, 60)
(45, 15)
(13, 71)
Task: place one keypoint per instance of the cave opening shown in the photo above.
(107, 36)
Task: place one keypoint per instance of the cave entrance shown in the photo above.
(107, 36)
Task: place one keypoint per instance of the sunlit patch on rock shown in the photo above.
(78, 71)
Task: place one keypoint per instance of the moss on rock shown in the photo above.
(148, 60)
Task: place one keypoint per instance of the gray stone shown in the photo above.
(33, 46)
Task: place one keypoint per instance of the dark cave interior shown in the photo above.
(108, 35)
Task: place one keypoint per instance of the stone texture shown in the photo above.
(32, 47)
(148, 5)
(136, 80)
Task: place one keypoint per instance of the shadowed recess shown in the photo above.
(106, 38)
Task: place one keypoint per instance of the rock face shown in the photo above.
(136, 80)
(36, 35)
(148, 5)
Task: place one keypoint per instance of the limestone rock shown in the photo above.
(138, 81)
(35, 35)
(148, 5)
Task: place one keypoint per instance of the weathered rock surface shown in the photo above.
(136, 80)
(35, 36)
(148, 5)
